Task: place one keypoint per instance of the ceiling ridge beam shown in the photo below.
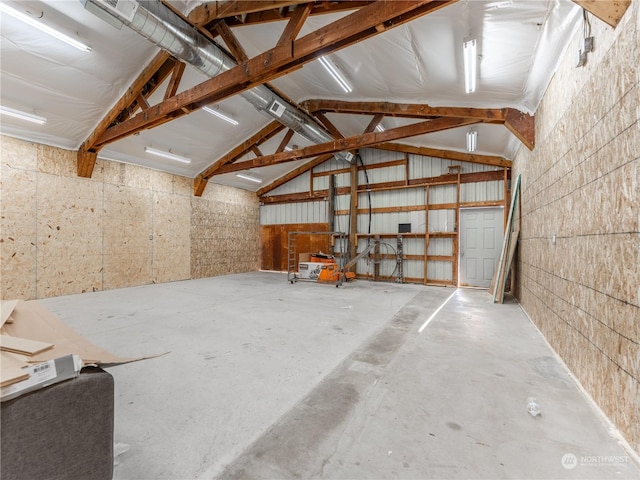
(350, 143)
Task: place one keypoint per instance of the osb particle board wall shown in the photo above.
(125, 226)
(582, 184)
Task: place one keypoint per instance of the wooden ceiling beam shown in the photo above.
(174, 81)
(350, 143)
(610, 11)
(230, 40)
(88, 151)
(263, 135)
(495, 161)
(403, 110)
(255, 12)
(278, 61)
(375, 121)
(295, 24)
(521, 124)
(294, 173)
(285, 141)
(210, 11)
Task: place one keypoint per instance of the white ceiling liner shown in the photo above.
(520, 43)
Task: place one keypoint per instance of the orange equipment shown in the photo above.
(330, 273)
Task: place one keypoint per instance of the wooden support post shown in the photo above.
(456, 238)
(426, 232)
(506, 197)
(353, 213)
(331, 201)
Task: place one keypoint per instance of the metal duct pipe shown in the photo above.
(158, 24)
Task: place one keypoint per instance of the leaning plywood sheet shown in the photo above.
(11, 371)
(499, 281)
(24, 346)
(33, 321)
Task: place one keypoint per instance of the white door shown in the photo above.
(481, 234)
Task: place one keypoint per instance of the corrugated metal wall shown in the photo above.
(410, 201)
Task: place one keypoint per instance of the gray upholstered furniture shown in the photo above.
(62, 432)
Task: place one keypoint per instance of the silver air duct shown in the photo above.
(158, 24)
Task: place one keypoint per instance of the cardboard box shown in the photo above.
(42, 375)
(304, 257)
(310, 270)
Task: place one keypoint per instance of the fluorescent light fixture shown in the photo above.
(29, 117)
(335, 73)
(23, 17)
(472, 140)
(288, 149)
(221, 115)
(248, 176)
(470, 55)
(169, 155)
(380, 128)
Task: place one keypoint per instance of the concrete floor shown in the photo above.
(267, 380)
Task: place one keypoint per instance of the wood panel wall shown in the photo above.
(127, 225)
(578, 273)
(274, 241)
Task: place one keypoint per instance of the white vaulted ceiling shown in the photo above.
(520, 43)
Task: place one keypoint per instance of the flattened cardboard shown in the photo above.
(33, 321)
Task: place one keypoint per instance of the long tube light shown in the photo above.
(44, 28)
(221, 115)
(248, 176)
(472, 140)
(335, 73)
(470, 55)
(168, 155)
(29, 117)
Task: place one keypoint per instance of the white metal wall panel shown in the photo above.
(297, 185)
(440, 246)
(321, 183)
(482, 191)
(372, 156)
(413, 269)
(412, 246)
(303, 212)
(442, 220)
(439, 270)
(341, 223)
(425, 167)
(443, 194)
(392, 198)
(382, 222)
(342, 202)
(381, 175)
